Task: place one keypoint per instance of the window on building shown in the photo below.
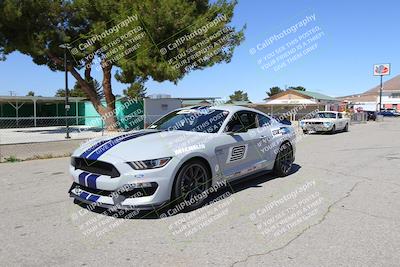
(395, 95)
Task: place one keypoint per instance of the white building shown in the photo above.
(369, 100)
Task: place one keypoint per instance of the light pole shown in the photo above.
(65, 46)
(380, 95)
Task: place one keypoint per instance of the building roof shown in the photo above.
(192, 102)
(359, 98)
(40, 98)
(238, 103)
(390, 85)
(306, 94)
(317, 96)
(199, 98)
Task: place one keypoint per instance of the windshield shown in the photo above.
(197, 120)
(326, 115)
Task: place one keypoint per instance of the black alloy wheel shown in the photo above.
(192, 181)
(284, 160)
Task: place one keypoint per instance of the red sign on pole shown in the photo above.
(382, 69)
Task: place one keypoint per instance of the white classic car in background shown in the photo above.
(326, 121)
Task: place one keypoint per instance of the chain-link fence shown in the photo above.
(360, 117)
(29, 137)
(26, 122)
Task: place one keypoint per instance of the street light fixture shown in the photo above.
(67, 107)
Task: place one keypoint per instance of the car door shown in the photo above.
(266, 141)
(340, 121)
(237, 154)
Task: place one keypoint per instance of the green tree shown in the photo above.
(298, 88)
(94, 29)
(30, 93)
(136, 90)
(273, 91)
(238, 95)
(77, 90)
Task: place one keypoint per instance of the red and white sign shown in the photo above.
(381, 69)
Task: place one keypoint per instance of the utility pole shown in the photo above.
(380, 95)
(65, 46)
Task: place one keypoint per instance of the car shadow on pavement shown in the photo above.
(168, 210)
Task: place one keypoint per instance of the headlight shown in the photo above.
(149, 164)
(73, 162)
(328, 124)
(302, 123)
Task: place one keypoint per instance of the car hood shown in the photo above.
(140, 145)
(319, 120)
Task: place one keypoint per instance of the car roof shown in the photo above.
(230, 108)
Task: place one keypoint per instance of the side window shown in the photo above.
(241, 122)
(263, 120)
(340, 115)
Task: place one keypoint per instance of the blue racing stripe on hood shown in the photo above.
(94, 147)
(97, 145)
(115, 141)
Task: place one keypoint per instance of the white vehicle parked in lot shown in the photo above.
(326, 121)
(180, 157)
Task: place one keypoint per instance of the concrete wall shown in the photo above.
(156, 108)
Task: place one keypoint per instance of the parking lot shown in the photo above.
(340, 207)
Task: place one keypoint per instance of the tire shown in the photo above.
(346, 128)
(333, 130)
(192, 180)
(305, 132)
(284, 160)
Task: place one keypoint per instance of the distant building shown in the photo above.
(158, 96)
(238, 103)
(296, 97)
(199, 101)
(369, 100)
(302, 102)
(37, 111)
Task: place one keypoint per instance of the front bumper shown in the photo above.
(114, 200)
(132, 190)
(316, 127)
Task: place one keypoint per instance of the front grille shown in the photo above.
(132, 193)
(95, 166)
(315, 123)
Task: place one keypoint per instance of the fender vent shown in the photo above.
(237, 153)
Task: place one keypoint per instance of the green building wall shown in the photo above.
(129, 114)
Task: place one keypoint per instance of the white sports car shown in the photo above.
(180, 157)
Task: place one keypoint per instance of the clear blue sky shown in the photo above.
(357, 34)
